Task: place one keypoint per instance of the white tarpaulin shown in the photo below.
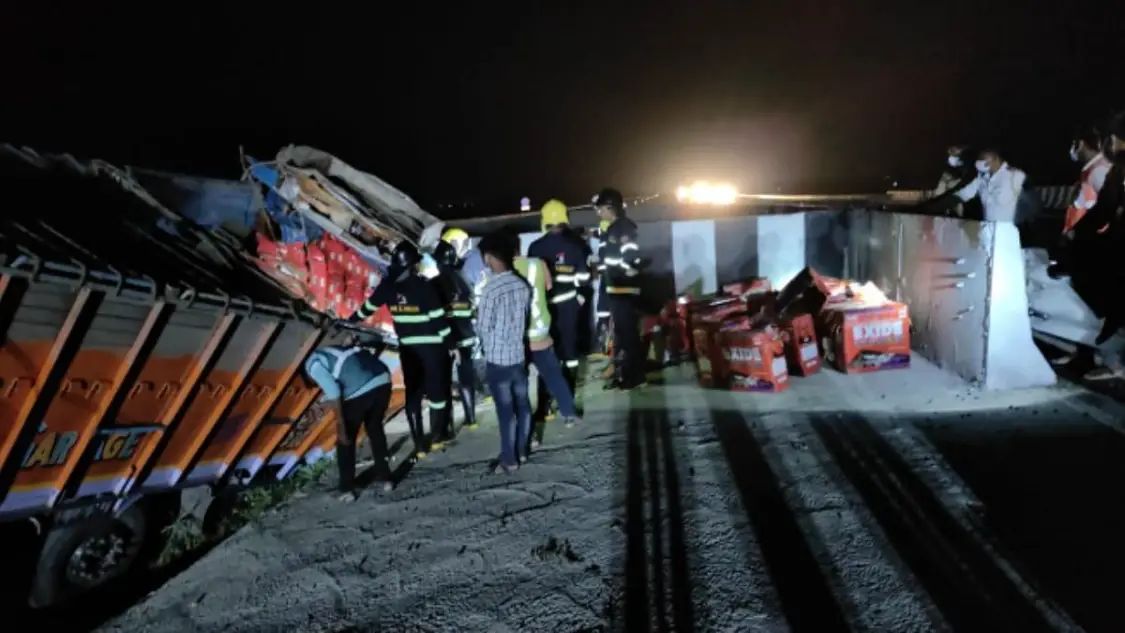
(392, 206)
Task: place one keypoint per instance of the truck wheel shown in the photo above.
(80, 558)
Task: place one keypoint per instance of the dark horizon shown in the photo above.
(487, 104)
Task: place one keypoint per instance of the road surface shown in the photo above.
(898, 501)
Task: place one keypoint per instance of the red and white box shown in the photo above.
(866, 339)
(799, 334)
(755, 360)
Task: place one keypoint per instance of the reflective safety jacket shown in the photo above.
(457, 298)
(621, 256)
(1091, 182)
(567, 258)
(539, 321)
(346, 372)
(416, 309)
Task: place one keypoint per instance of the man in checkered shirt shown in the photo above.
(502, 327)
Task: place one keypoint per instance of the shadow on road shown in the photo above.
(1051, 484)
(658, 593)
(805, 593)
(963, 578)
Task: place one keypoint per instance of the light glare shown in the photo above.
(704, 192)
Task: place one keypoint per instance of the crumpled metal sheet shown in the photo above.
(389, 205)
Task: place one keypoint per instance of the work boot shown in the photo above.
(417, 435)
(468, 403)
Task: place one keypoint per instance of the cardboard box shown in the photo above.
(811, 292)
(753, 285)
(801, 348)
(712, 310)
(859, 340)
(762, 303)
(708, 358)
(756, 360)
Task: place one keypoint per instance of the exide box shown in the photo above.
(860, 340)
(755, 360)
(801, 350)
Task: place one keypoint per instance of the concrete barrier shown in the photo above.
(964, 283)
(963, 280)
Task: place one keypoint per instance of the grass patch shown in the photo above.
(189, 536)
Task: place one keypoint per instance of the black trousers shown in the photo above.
(369, 411)
(565, 324)
(626, 338)
(427, 371)
(467, 382)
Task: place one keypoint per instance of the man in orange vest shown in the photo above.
(1085, 149)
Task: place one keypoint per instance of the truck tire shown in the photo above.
(83, 557)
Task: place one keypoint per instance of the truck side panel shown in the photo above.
(156, 399)
(211, 398)
(278, 371)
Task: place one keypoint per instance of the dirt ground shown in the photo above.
(899, 501)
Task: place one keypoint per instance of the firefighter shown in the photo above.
(424, 336)
(623, 262)
(602, 329)
(458, 299)
(566, 256)
(470, 265)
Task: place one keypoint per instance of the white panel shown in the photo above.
(944, 280)
(693, 256)
(1013, 359)
(781, 247)
(526, 239)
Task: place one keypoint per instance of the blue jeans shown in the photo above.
(550, 372)
(508, 385)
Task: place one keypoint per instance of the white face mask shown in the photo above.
(982, 166)
(1074, 153)
(954, 161)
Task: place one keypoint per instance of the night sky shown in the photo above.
(488, 102)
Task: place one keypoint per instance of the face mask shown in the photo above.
(982, 166)
(954, 161)
(1074, 153)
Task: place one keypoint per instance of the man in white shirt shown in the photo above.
(998, 185)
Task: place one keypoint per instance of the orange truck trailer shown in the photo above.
(141, 355)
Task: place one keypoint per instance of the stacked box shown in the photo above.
(859, 340)
(801, 349)
(753, 285)
(677, 336)
(708, 359)
(755, 360)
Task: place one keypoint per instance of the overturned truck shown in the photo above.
(151, 344)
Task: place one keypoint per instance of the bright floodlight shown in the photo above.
(703, 192)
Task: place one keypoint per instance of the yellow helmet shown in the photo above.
(458, 239)
(554, 212)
